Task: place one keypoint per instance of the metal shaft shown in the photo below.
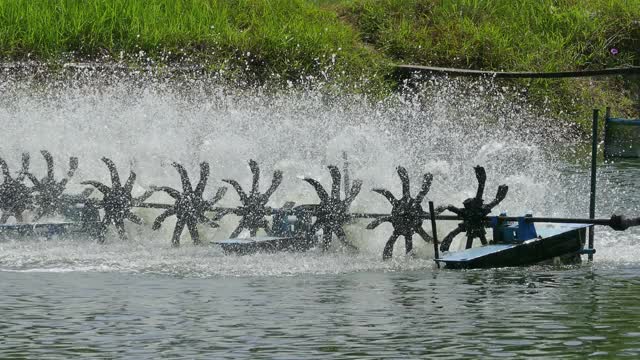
(432, 214)
(592, 193)
(556, 220)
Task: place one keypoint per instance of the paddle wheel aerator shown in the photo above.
(292, 227)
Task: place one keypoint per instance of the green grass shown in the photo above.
(544, 35)
(355, 39)
(289, 38)
(513, 35)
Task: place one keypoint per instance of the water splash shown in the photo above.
(146, 122)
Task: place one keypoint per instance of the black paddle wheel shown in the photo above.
(117, 201)
(474, 213)
(254, 207)
(407, 214)
(293, 228)
(15, 196)
(48, 192)
(189, 207)
(332, 213)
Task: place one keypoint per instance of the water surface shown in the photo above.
(559, 312)
(142, 298)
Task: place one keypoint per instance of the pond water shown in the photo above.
(559, 312)
(142, 298)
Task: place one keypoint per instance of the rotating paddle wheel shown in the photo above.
(407, 214)
(189, 206)
(117, 201)
(332, 213)
(254, 209)
(49, 198)
(290, 227)
(15, 196)
(474, 213)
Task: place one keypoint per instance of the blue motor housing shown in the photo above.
(285, 224)
(512, 231)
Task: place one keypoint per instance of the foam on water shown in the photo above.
(156, 257)
(145, 123)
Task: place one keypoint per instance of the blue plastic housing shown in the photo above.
(512, 231)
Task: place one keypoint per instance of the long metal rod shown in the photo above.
(345, 173)
(434, 231)
(153, 206)
(607, 117)
(407, 70)
(622, 121)
(426, 216)
(551, 220)
(555, 220)
(592, 193)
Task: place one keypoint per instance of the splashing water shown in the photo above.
(145, 123)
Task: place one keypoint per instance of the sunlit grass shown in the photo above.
(512, 35)
(285, 37)
(544, 35)
(347, 39)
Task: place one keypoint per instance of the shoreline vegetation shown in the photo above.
(353, 43)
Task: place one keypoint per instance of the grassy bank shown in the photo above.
(344, 39)
(507, 35)
(285, 38)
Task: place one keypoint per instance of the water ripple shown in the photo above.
(350, 315)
